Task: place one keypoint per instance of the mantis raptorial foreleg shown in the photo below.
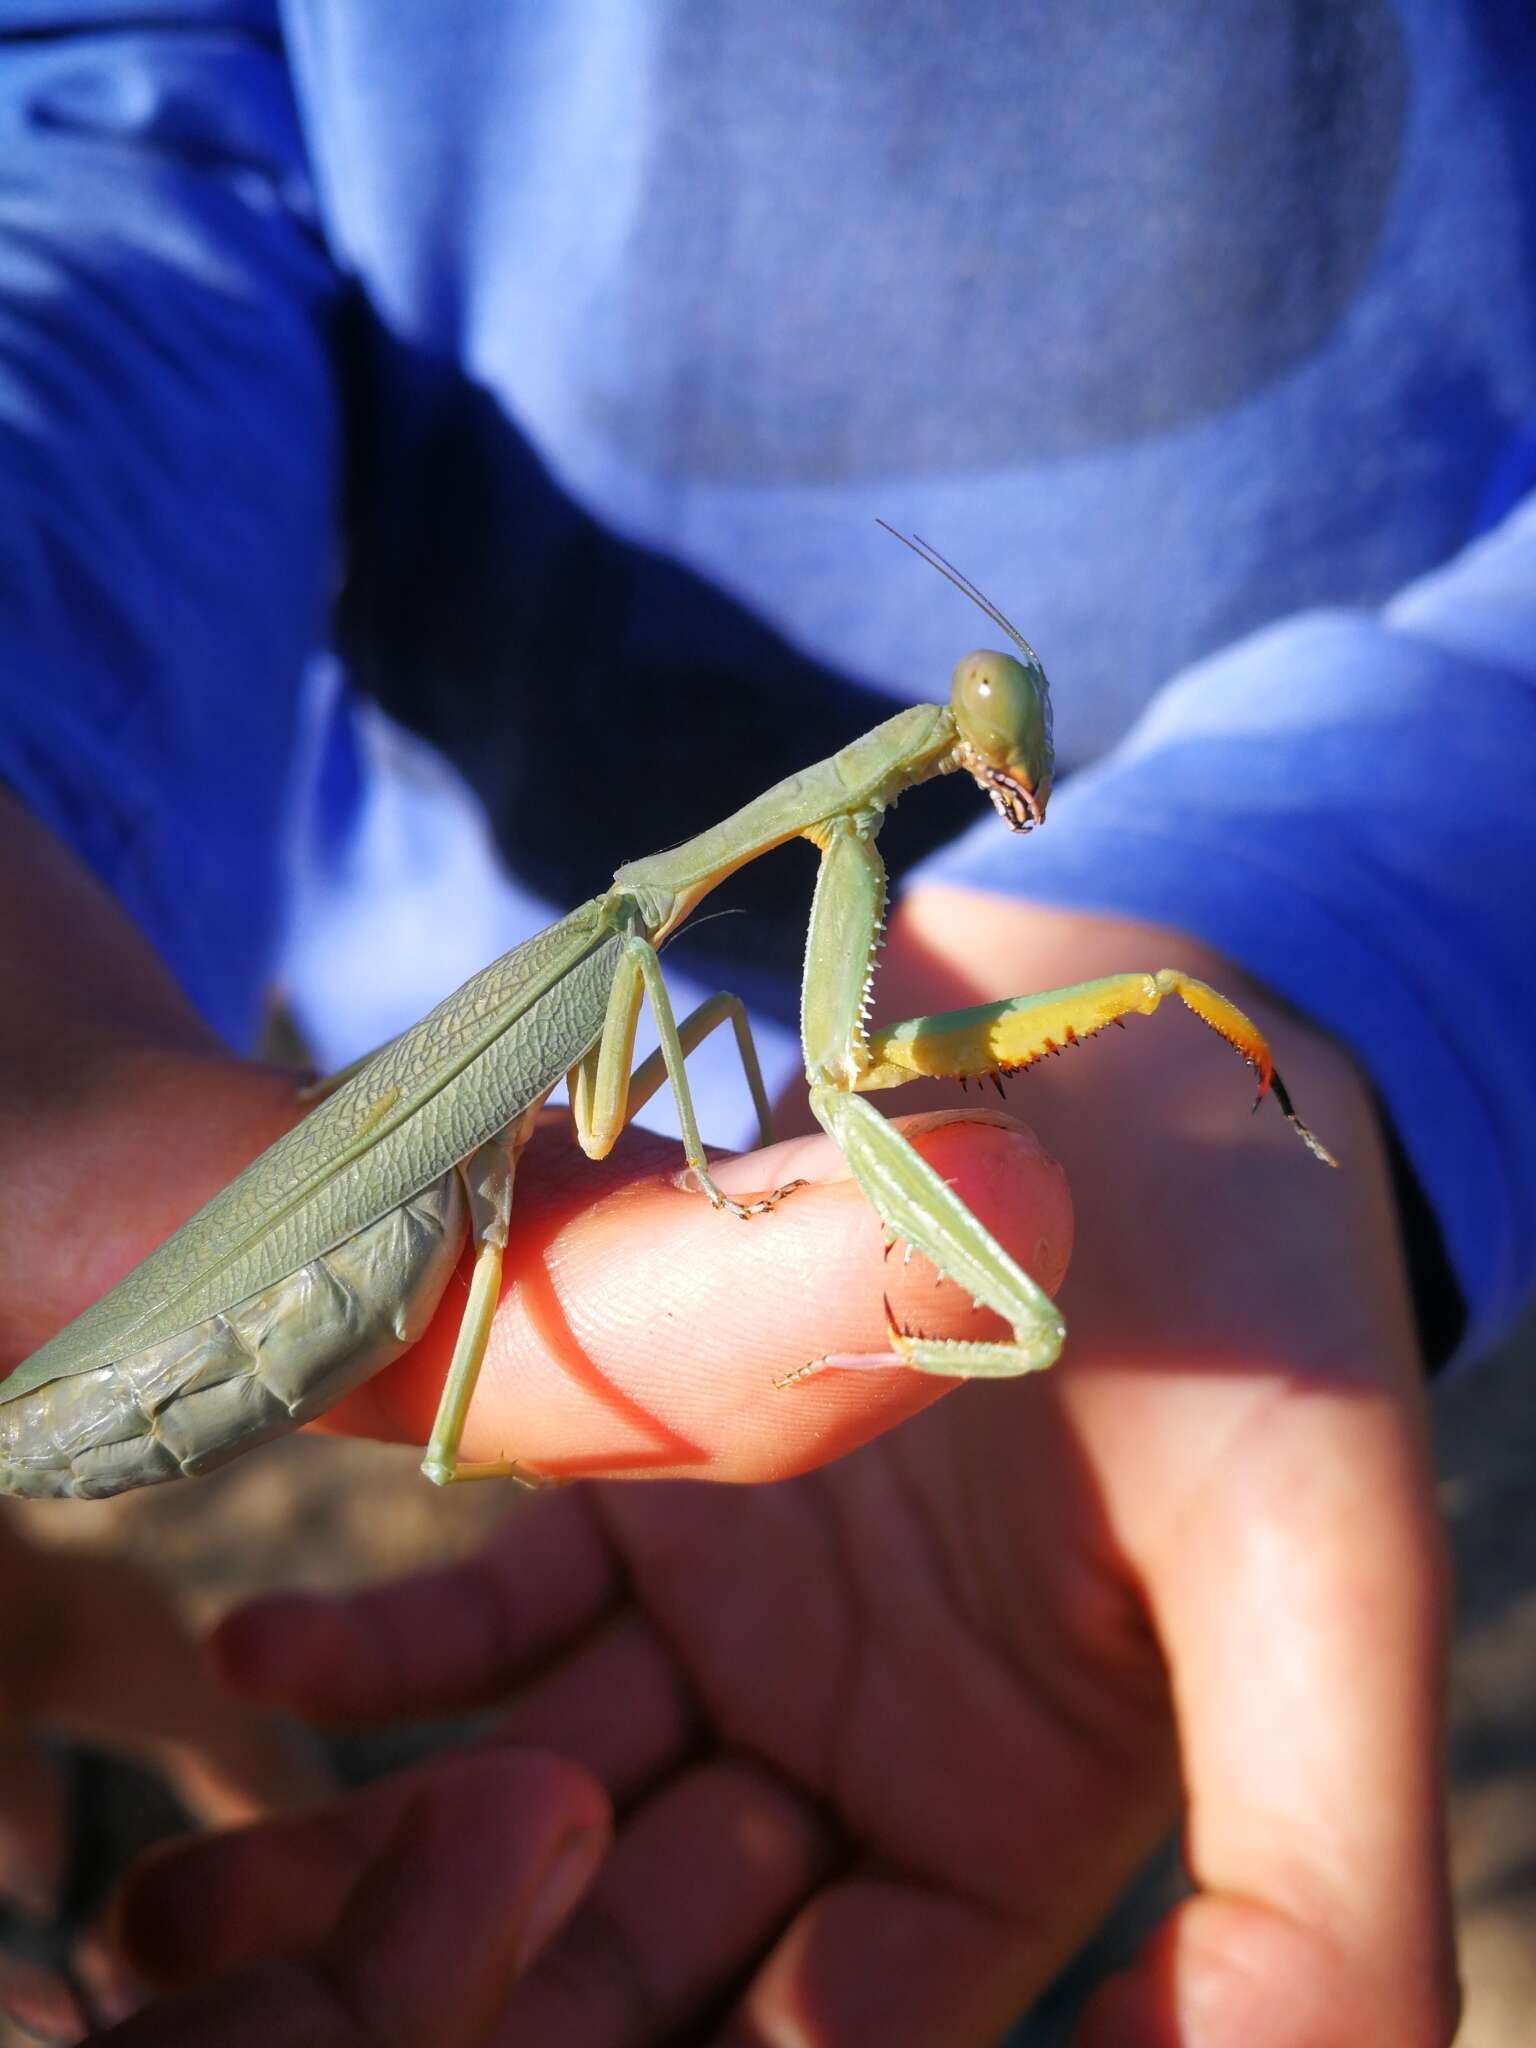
(844, 1061)
(1000, 1038)
(918, 1206)
(911, 1200)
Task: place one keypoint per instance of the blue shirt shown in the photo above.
(547, 367)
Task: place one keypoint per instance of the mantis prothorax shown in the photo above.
(326, 1257)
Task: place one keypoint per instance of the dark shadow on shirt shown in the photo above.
(602, 700)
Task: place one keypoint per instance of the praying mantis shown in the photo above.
(326, 1258)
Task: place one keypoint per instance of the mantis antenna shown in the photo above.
(927, 552)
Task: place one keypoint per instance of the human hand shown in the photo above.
(441, 1888)
(1244, 1375)
(126, 1117)
(1294, 1344)
(886, 1738)
(648, 1395)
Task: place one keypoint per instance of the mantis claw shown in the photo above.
(893, 1360)
(1313, 1143)
(719, 1199)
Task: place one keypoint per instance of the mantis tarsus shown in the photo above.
(326, 1257)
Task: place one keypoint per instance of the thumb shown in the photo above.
(643, 1332)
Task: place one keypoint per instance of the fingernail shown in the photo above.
(566, 1877)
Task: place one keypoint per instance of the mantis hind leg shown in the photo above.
(488, 1177)
(918, 1205)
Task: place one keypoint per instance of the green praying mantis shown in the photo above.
(326, 1258)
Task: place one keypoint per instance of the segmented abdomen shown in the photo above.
(252, 1372)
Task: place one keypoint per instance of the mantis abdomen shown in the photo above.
(246, 1374)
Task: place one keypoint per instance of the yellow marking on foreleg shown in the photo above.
(1002, 1038)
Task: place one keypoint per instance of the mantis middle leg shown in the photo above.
(605, 1093)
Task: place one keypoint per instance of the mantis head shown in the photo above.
(1002, 708)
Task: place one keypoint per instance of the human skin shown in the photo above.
(118, 1115)
(884, 1735)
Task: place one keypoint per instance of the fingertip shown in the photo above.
(420, 1900)
(422, 1856)
(282, 1650)
(167, 1917)
(652, 1335)
(642, 1333)
(486, 1862)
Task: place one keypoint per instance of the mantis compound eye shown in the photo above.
(1003, 710)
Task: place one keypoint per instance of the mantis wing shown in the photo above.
(428, 1100)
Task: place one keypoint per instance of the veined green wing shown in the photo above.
(505, 1038)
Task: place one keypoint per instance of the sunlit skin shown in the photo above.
(894, 1729)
